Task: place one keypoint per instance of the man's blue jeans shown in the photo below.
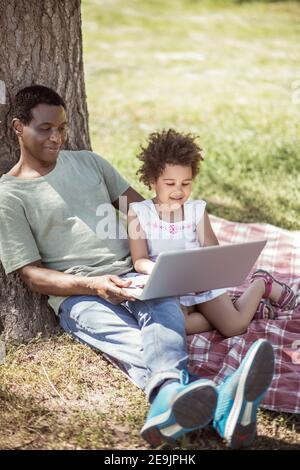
(147, 339)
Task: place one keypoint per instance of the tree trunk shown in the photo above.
(40, 43)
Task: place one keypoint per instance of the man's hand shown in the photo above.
(110, 288)
(50, 282)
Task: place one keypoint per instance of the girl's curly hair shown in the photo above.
(168, 146)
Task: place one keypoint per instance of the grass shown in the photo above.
(224, 71)
(57, 394)
(225, 74)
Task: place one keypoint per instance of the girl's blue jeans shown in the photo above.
(146, 338)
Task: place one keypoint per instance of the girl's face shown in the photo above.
(174, 186)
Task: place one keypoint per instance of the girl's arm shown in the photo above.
(205, 233)
(138, 245)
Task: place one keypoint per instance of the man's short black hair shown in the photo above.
(29, 97)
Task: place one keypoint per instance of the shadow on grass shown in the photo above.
(286, 426)
(31, 424)
(289, 420)
(253, 207)
(208, 439)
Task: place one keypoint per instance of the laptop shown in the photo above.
(196, 270)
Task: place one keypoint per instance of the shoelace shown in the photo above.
(184, 377)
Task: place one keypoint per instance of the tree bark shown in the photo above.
(40, 43)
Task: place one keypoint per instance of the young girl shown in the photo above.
(170, 221)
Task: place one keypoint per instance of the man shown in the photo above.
(50, 203)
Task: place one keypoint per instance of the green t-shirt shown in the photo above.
(65, 219)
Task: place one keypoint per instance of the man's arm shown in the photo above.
(50, 282)
(131, 196)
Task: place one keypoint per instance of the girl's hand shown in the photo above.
(149, 266)
(144, 266)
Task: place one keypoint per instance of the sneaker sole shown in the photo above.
(192, 409)
(240, 429)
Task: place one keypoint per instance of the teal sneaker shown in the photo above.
(241, 393)
(179, 408)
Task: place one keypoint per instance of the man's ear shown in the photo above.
(17, 126)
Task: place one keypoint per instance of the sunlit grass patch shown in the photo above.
(221, 70)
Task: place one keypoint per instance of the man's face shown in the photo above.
(43, 137)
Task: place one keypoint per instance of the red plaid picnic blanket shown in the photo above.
(213, 356)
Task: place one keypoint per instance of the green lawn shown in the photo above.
(225, 71)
